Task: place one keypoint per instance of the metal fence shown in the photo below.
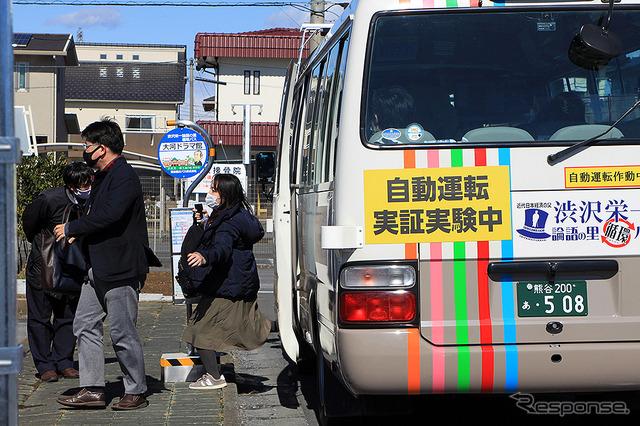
(162, 192)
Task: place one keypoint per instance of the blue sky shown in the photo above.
(153, 24)
(150, 24)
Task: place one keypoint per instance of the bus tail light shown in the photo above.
(378, 306)
(362, 276)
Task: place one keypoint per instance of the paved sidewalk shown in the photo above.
(262, 388)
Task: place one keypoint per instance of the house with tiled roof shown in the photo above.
(140, 86)
(41, 65)
(251, 67)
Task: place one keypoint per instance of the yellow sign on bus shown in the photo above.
(602, 177)
(437, 205)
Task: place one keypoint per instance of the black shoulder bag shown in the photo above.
(191, 278)
(63, 267)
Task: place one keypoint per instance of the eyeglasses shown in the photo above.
(88, 144)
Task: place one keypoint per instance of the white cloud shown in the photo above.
(287, 18)
(108, 17)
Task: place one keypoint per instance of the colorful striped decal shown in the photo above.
(413, 335)
(460, 299)
(508, 304)
(439, 3)
(462, 293)
(484, 307)
(436, 282)
(460, 278)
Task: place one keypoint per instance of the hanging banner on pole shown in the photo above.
(182, 153)
(237, 169)
(181, 220)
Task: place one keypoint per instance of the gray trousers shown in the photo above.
(120, 302)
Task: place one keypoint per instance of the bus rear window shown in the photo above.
(496, 77)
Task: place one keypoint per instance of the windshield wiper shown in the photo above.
(570, 151)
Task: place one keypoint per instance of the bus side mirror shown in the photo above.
(594, 46)
(265, 166)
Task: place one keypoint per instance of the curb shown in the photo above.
(144, 297)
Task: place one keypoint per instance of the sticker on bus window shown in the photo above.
(414, 132)
(602, 177)
(437, 205)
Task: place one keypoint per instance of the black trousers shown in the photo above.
(51, 340)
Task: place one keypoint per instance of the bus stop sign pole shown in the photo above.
(194, 184)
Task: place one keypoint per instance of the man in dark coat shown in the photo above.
(117, 248)
(52, 342)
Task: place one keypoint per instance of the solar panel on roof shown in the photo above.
(21, 39)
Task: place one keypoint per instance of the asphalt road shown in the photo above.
(270, 387)
(498, 409)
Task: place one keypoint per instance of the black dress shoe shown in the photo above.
(130, 402)
(84, 398)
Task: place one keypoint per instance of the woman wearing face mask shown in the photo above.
(227, 317)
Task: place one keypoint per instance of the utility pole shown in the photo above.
(10, 353)
(317, 17)
(246, 131)
(191, 79)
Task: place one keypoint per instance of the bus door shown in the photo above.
(307, 205)
(282, 218)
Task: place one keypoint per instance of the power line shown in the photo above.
(197, 3)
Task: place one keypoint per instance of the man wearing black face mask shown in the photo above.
(52, 342)
(117, 249)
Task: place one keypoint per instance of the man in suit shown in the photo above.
(117, 249)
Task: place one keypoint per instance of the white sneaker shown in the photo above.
(208, 382)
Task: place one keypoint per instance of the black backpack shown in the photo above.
(191, 278)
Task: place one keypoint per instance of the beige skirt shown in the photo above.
(221, 325)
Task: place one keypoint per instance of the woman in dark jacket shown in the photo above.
(227, 317)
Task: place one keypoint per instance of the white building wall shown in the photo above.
(146, 53)
(90, 111)
(272, 76)
(40, 94)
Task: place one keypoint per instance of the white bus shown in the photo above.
(433, 232)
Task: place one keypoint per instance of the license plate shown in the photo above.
(552, 299)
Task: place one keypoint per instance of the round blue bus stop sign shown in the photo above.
(182, 153)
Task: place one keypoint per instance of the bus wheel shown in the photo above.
(322, 373)
(334, 402)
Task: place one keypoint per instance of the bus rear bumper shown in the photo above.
(400, 361)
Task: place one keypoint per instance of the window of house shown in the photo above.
(103, 72)
(247, 82)
(22, 76)
(136, 73)
(119, 57)
(103, 56)
(256, 82)
(120, 72)
(135, 57)
(140, 123)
